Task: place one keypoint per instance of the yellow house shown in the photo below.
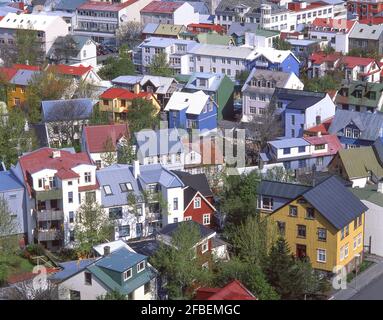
(324, 223)
(117, 101)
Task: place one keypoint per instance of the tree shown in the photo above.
(279, 174)
(64, 48)
(177, 262)
(120, 66)
(358, 52)
(129, 34)
(328, 49)
(98, 117)
(242, 77)
(159, 66)
(8, 227)
(238, 198)
(142, 115)
(28, 46)
(281, 44)
(109, 156)
(250, 275)
(331, 81)
(92, 227)
(15, 136)
(112, 295)
(27, 290)
(47, 85)
(126, 153)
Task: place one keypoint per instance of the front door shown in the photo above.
(301, 251)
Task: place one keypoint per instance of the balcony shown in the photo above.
(49, 194)
(49, 235)
(49, 215)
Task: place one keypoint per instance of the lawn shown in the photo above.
(14, 265)
(364, 266)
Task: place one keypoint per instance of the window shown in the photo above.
(40, 183)
(322, 234)
(115, 213)
(355, 133)
(175, 220)
(293, 211)
(301, 149)
(70, 197)
(205, 247)
(319, 161)
(320, 147)
(88, 278)
(301, 231)
(321, 255)
(348, 133)
(293, 132)
(74, 295)
(188, 218)
(206, 218)
(107, 190)
(70, 183)
(197, 203)
(281, 228)
(267, 203)
(147, 287)
(126, 186)
(140, 266)
(253, 110)
(359, 239)
(124, 231)
(310, 213)
(127, 274)
(346, 251)
(88, 177)
(355, 242)
(71, 235)
(286, 151)
(359, 221)
(71, 216)
(293, 119)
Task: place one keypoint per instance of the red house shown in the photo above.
(235, 290)
(198, 198)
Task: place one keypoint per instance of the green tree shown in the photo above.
(28, 47)
(159, 66)
(126, 154)
(242, 77)
(142, 115)
(281, 44)
(15, 137)
(179, 264)
(109, 156)
(331, 81)
(98, 117)
(112, 295)
(120, 66)
(92, 227)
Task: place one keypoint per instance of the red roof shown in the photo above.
(235, 290)
(7, 73)
(162, 7)
(121, 93)
(105, 6)
(296, 6)
(332, 142)
(333, 23)
(96, 136)
(64, 174)
(208, 26)
(42, 159)
(71, 70)
(320, 57)
(322, 128)
(372, 20)
(26, 67)
(352, 62)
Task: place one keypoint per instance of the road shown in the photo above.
(374, 291)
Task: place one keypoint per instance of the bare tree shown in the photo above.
(129, 33)
(27, 290)
(8, 228)
(65, 121)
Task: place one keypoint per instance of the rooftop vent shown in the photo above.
(56, 154)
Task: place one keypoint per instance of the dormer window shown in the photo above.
(107, 190)
(140, 266)
(348, 133)
(127, 274)
(88, 177)
(126, 186)
(355, 133)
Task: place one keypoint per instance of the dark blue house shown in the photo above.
(192, 111)
(356, 129)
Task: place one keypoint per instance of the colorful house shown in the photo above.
(192, 111)
(234, 290)
(218, 86)
(324, 223)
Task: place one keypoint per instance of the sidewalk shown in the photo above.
(361, 281)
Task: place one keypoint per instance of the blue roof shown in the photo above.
(166, 42)
(289, 143)
(8, 181)
(156, 173)
(82, 109)
(120, 260)
(70, 268)
(23, 77)
(150, 27)
(113, 176)
(301, 42)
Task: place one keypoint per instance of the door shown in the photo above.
(301, 251)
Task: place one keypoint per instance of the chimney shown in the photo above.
(319, 134)
(106, 251)
(56, 154)
(380, 186)
(136, 169)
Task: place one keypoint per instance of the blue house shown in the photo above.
(356, 129)
(278, 60)
(192, 111)
(302, 110)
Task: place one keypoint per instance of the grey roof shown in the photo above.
(369, 124)
(23, 77)
(281, 189)
(120, 260)
(113, 176)
(289, 143)
(150, 27)
(199, 6)
(239, 29)
(223, 51)
(365, 31)
(300, 99)
(279, 77)
(171, 228)
(214, 84)
(335, 202)
(160, 142)
(131, 80)
(378, 149)
(148, 247)
(8, 182)
(69, 5)
(58, 110)
(156, 173)
(70, 268)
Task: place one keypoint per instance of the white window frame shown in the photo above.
(126, 273)
(341, 254)
(197, 199)
(140, 269)
(207, 217)
(346, 251)
(188, 218)
(105, 188)
(205, 244)
(88, 175)
(321, 252)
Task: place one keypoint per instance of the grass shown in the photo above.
(14, 265)
(363, 267)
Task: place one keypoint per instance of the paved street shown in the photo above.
(374, 291)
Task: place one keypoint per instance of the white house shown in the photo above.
(48, 28)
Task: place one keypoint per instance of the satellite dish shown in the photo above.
(124, 18)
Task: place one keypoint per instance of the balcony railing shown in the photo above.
(49, 235)
(49, 215)
(49, 194)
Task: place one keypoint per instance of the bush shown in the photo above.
(67, 254)
(35, 249)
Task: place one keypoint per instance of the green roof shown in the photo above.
(182, 78)
(369, 193)
(359, 161)
(367, 99)
(266, 33)
(214, 38)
